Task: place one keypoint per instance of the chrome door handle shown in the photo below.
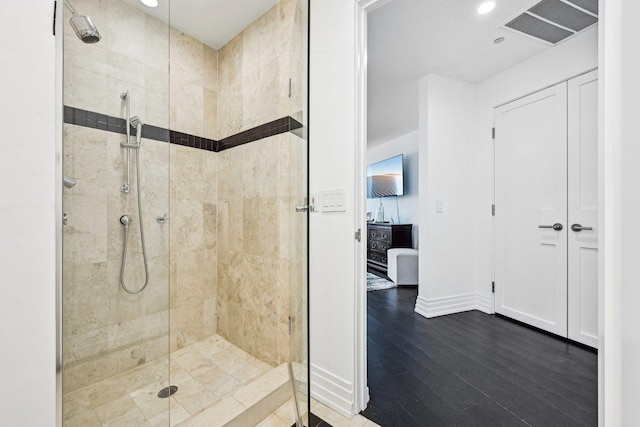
(578, 227)
(302, 208)
(557, 226)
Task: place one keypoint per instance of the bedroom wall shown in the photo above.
(407, 204)
(447, 174)
(454, 288)
(619, 373)
(575, 56)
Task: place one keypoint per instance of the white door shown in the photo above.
(531, 192)
(583, 209)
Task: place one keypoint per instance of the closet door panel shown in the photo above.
(531, 192)
(583, 209)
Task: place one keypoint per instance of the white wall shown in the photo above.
(457, 167)
(621, 148)
(27, 233)
(407, 205)
(447, 175)
(331, 240)
(554, 65)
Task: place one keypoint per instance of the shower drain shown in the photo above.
(167, 391)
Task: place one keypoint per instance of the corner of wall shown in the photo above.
(455, 304)
(447, 161)
(484, 304)
(434, 307)
(332, 391)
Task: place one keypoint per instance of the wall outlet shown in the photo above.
(439, 206)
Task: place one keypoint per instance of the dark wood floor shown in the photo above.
(472, 369)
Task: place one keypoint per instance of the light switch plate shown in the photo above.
(333, 200)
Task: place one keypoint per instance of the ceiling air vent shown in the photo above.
(552, 21)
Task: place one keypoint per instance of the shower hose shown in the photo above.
(125, 221)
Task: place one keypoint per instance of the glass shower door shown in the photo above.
(115, 286)
(238, 247)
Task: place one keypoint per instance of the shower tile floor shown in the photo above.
(211, 376)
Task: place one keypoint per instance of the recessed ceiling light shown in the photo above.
(499, 40)
(486, 7)
(150, 3)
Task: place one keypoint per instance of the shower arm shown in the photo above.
(71, 8)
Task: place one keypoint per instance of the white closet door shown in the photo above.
(531, 191)
(583, 209)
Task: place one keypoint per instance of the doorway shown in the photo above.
(487, 93)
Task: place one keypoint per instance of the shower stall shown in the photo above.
(184, 239)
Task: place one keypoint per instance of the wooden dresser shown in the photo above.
(380, 237)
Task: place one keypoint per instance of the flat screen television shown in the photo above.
(385, 178)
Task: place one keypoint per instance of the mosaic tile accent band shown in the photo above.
(79, 117)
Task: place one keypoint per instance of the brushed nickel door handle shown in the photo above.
(578, 227)
(557, 226)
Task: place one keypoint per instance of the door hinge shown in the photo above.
(493, 210)
(493, 287)
(358, 235)
(55, 13)
(290, 325)
(493, 133)
(290, 84)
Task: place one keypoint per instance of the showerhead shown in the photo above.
(84, 27)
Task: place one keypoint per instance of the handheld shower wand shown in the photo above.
(125, 220)
(137, 123)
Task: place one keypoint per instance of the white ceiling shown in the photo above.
(213, 22)
(411, 38)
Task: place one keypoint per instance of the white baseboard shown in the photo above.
(332, 391)
(446, 305)
(455, 304)
(484, 304)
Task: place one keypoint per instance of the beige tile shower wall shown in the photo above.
(194, 196)
(194, 245)
(132, 55)
(259, 261)
(194, 86)
(261, 250)
(255, 68)
(105, 330)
